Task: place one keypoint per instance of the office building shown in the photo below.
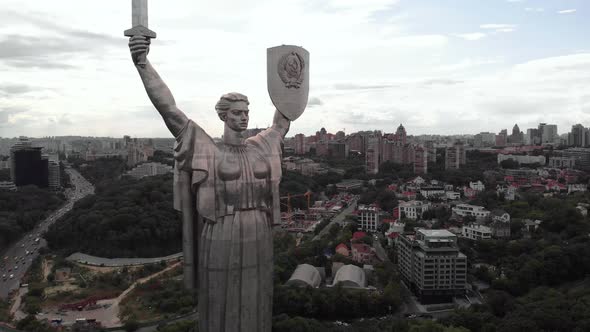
(28, 167)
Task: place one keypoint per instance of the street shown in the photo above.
(18, 258)
(337, 219)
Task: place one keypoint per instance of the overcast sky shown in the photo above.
(438, 67)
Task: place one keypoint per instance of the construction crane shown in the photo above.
(288, 205)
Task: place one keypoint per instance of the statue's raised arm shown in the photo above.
(155, 87)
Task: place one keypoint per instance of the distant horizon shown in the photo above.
(440, 69)
(291, 134)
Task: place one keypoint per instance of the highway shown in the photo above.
(17, 259)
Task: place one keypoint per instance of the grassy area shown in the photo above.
(158, 298)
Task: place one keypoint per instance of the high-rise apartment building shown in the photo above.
(455, 156)
(548, 133)
(502, 138)
(532, 137)
(430, 151)
(54, 179)
(484, 139)
(579, 136)
(420, 160)
(373, 155)
(517, 137)
(432, 266)
(300, 146)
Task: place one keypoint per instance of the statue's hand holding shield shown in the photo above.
(288, 79)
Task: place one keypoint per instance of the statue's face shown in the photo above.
(237, 117)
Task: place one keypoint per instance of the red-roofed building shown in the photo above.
(411, 195)
(342, 249)
(362, 253)
(553, 185)
(358, 235)
(469, 193)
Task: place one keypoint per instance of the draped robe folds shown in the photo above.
(234, 191)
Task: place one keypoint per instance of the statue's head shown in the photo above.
(232, 108)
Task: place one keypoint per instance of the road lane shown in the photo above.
(17, 259)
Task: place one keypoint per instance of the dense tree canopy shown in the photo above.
(20, 211)
(100, 169)
(125, 218)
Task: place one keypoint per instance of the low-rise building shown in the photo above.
(522, 159)
(305, 275)
(500, 215)
(368, 217)
(577, 188)
(348, 185)
(413, 209)
(342, 249)
(476, 232)
(362, 253)
(453, 195)
(350, 276)
(432, 192)
(149, 169)
(562, 162)
(500, 230)
(477, 186)
(464, 210)
(509, 192)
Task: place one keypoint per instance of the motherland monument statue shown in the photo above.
(228, 192)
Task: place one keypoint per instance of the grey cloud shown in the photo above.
(314, 101)
(24, 51)
(6, 112)
(38, 20)
(14, 89)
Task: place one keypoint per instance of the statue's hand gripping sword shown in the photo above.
(139, 21)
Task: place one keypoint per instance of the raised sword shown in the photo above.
(139, 21)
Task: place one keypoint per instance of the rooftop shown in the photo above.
(436, 232)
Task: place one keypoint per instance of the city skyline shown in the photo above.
(438, 69)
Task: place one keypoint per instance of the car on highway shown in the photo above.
(11, 276)
(4, 277)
